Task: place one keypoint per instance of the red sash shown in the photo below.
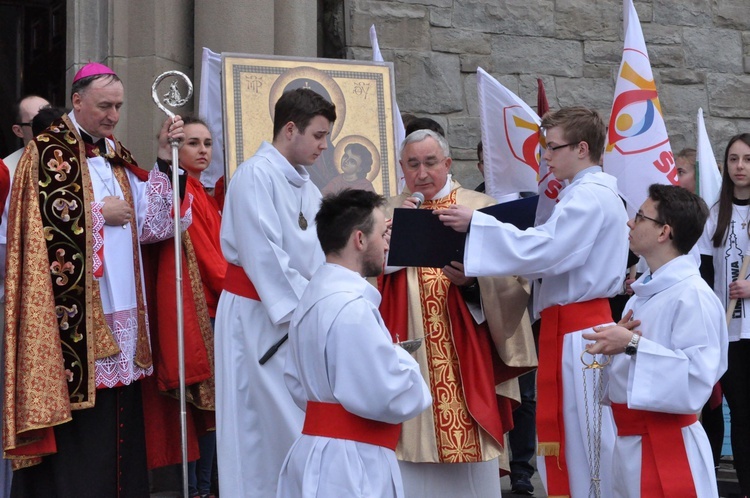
(665, 470)
(236, 282)
(332, 420)
(556, 322)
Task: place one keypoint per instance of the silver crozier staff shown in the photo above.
(174, 99)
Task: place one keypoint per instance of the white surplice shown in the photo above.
(152, 205)
(681, 355)
(580, 254)
(341, 352)
(257, 420)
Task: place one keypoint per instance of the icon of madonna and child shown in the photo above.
(354, 162)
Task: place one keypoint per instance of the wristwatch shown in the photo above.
(632, 348)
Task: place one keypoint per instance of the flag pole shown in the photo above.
(174, 99)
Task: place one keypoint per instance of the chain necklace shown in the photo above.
(111, 191)
(594, 427)
(744, 218)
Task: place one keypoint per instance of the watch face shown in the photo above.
(630, 350)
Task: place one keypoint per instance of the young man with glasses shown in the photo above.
(579, 254)
(667, 357)
(453, 448)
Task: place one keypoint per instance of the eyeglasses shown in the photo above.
(639, 216)
(429, 163)
(553, 148)
(24, 124)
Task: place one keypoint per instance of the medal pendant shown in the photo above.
(302, 221)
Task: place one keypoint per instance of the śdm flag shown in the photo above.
(549, 186)
(510, 137)
(637, 151)
(398, 123)
(707, 176)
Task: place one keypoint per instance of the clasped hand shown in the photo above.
(116, 211)
(612, 339)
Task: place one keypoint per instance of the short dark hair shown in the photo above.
(579, 124)
(81, 85)
(45, 117)
(683, 211)
(17, 107)
(480, 151)
(342, 213)
(424, 124)
(366, 156)
(300, 106)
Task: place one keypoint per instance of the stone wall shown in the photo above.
(699, 51)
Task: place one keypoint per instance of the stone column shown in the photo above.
(296, 28)
(233, 26)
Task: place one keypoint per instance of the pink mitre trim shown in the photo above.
(92, 69)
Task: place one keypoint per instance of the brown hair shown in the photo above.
(579, 124)
(726, 195)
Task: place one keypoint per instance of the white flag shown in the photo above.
(398, 123)
(211, 110)
(638, 151)
(510, 137)
(707, 176)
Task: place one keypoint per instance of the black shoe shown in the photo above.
(520, 484)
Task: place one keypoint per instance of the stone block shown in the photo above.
(441, 17)
(683, 12)
(659, 34)
(466, 172)
(645, 12)
(666, 56)
(720, 130)
(589, 92)
(470, 94)
(470, 62)
(402, 26)
(429, 82)
(601, 71)
(733, 14)
(680, 76)
(746, 63)
(682, 101)
(521, 55)
(513, 17)
(746, 42)
(431, 3)
(459, 41)
(595, 51)
(588, 20)
(727, 95)
(465, 132)
(716, 49)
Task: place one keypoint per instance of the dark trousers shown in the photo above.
(712, 421)
(100, 453)
(522, 438)
(201, 470)
(736, 386)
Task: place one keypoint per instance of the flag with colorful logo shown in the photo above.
(510, 137)
(549, 186)
(707, 175)
(637, 151)
(398, 123)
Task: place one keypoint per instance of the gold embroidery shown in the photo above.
(458, 438)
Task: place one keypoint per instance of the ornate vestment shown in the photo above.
(465, 363)
(56, 327)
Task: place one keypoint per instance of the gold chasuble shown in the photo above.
(455, 429)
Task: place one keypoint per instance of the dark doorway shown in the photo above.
(32, 58)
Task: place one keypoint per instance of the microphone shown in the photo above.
(420, 198)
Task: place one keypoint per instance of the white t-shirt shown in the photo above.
(728, 262)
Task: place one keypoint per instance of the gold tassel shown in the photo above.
(548, 449)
